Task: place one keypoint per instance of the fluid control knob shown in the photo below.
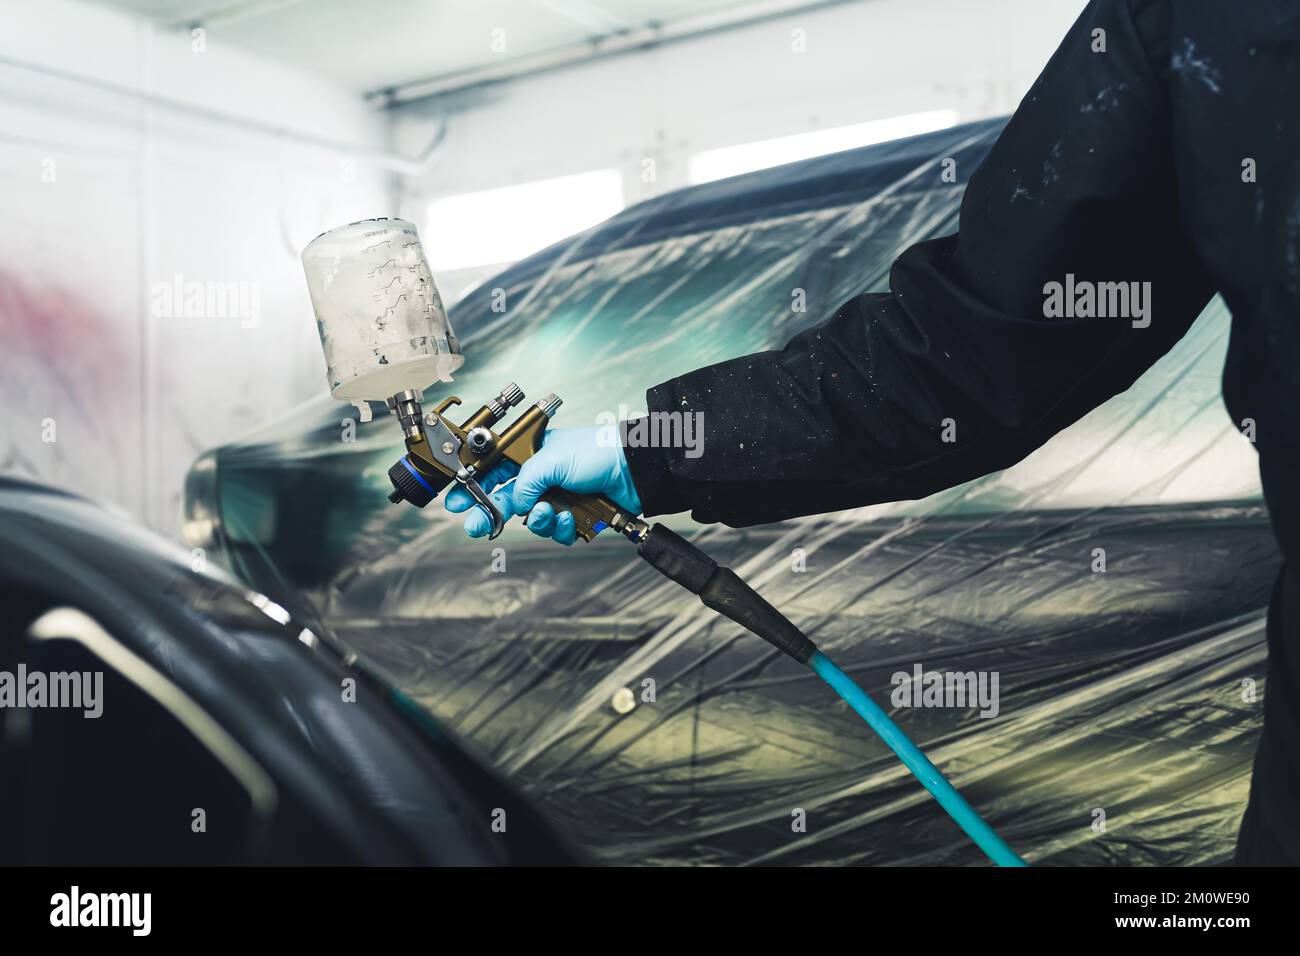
(504, 400)
(480, 441)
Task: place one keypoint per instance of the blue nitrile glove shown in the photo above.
(581, 460)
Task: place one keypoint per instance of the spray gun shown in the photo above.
(439, 451)
(386, 338)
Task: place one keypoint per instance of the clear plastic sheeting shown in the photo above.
(1114, 582)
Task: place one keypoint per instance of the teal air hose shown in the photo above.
(931, 778)
(722, 590)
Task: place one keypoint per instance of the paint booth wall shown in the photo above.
(111, 385)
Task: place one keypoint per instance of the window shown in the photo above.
(498, 226)
(733, 160)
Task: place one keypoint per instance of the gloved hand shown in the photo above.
(583, 460)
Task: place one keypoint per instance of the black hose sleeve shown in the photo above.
(731, 597)
(722, 590)
(676, 558)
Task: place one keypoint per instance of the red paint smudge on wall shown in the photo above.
(53, 332)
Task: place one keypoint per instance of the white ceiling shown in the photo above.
(368, 45)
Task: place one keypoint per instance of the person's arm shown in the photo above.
(1080, 183)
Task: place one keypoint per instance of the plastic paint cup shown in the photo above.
(381, 321)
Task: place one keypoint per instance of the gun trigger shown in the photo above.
(480, 497)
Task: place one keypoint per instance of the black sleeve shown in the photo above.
(866, 408)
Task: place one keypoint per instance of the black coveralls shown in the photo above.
(1123, 165)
